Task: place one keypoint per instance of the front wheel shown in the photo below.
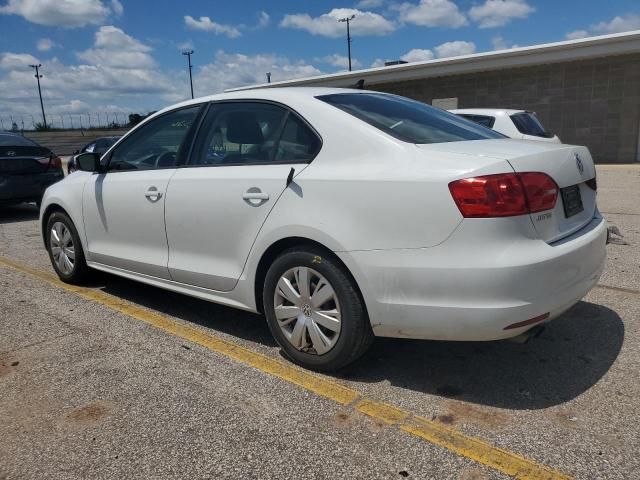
(65, 249)
(315, 311)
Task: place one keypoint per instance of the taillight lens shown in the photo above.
(53, 162)
(504, 194)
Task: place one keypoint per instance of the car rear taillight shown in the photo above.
(504, 194)
(51, 162)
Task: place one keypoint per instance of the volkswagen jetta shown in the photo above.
(340, 214)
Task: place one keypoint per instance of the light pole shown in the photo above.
(268, 77)
(188, 54)
(347, 20)
(38, 77)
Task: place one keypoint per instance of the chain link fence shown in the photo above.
(69, 121)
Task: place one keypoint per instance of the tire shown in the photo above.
(79, 272)
(336, 349)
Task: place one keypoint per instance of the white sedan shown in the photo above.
(340, 214)
(520, 124)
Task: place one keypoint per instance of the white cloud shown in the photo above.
(114, 48)
(45, 44)
(327, 25)
(340, 61)
(19, 61)
(263, 19)
(117, 7)
(432, 13)
(208, 25)
(624, 23)
(229, 70)
(577, 34)
(496, 13)
(378, 62)
(61, 13)
(364, 4)
(455, 49)
(417, 55)
(617, 24)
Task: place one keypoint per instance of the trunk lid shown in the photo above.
(569, 166)
(19, 160)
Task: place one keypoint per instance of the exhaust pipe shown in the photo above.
(524, 337)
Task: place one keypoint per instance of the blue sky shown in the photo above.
(124, 55)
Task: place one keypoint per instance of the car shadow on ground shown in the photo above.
(18, 213)
(572, 354)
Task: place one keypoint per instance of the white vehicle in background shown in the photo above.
(340, 214)
(519, 124)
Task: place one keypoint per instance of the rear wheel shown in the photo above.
(315, 311)
(65, 249)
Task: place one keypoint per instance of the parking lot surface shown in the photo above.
(123, 380)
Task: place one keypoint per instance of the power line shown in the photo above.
(38, 77)
(348, 19)
(188, 53)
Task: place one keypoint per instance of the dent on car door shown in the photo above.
(123, 209)
(215, 208)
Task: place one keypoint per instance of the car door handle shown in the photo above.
(255, 196)
(153, 194)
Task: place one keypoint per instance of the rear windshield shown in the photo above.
(15, 141)
(408, 120)
(528, 123)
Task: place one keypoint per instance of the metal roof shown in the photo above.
(570, 50)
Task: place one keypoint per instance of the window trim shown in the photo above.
(289, 111)
(189, 137)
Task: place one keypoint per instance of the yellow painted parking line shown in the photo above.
(432, 431)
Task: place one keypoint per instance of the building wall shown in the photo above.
(589, 102)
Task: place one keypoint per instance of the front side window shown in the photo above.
(528, 123)
(157, 144)
(408, 120)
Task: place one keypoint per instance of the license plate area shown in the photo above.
(571, 200)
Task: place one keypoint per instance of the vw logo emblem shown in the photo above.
(306, 310)
(579, 164)
(11, 153)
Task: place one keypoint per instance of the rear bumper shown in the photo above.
(463, 290)
(27, 187)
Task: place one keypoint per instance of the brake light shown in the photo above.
(504, 194)
(52, 162)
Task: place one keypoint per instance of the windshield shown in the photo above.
(408, 120)
(528, 123)
(15, 141)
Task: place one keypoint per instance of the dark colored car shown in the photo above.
(26, 169)
(99, 145)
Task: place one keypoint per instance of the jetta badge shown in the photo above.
(11, 153)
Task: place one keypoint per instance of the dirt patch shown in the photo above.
(460, 412)
(90, 413)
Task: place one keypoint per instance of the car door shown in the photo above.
(239, 167)
(123, 209)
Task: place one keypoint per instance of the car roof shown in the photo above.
(494, 112)
(277, 94)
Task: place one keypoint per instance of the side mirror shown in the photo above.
(88, 162)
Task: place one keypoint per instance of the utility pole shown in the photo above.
(38, 77)
(268, 77)
(188, 54)
(347, 20)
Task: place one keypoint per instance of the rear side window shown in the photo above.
(298, 142)
(408, 120)
(484, 120)
(528, 123)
